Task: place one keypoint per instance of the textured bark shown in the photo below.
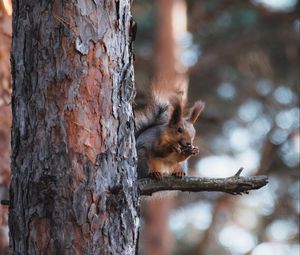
(73, 148)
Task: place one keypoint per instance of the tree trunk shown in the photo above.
(73, 147)
(171, 28)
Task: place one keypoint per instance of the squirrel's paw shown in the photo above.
(156, 175)
(178, 174)
(177, 148)
(195, 151)
(188, 151)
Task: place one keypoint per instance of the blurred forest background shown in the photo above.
(242, 59)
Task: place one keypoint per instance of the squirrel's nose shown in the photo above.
(188, 144)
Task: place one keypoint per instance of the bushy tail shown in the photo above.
(155, 114)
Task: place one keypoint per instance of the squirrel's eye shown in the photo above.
(180, 130)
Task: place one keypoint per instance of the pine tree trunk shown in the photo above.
(73, 148)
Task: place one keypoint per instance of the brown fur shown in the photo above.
(165, 147)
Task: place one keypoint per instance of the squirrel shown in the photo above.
(164, 138)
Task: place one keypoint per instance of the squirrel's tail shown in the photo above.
(155, 114)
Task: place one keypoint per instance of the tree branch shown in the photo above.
(234, 185)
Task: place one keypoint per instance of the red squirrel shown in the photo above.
(164, 138)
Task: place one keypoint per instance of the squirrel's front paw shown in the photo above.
(177, 148)
(188, 151)
(195, 151)
(155, 175)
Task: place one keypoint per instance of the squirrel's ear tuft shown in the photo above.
(177, 112)
(195, 111)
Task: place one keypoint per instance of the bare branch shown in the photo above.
(234, 185)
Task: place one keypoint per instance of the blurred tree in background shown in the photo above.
(242, 58)
(5, 117)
